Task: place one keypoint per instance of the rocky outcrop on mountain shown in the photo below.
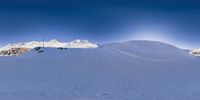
(195, 52)
(20, 48)
(13, 52)
(51, 44)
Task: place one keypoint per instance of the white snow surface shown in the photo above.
(51, 44)
(135, 70)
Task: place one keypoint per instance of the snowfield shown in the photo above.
(134, 70)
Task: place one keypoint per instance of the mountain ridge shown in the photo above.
(195, 52)
(133, 46)
(13, 49)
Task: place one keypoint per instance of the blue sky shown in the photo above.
(175, 22)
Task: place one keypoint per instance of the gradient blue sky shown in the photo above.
(173, 21)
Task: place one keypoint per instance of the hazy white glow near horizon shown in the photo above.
(158, 36)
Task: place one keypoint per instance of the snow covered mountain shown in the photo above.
(11, 49)
(195, 52)
(134, 70)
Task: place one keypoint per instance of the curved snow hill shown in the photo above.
(134, 70)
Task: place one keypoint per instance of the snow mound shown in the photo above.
(149, 50)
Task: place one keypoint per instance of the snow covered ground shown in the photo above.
(135, 70)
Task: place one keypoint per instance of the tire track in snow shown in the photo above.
(142, 58)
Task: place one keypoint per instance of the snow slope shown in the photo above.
(122, 71)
